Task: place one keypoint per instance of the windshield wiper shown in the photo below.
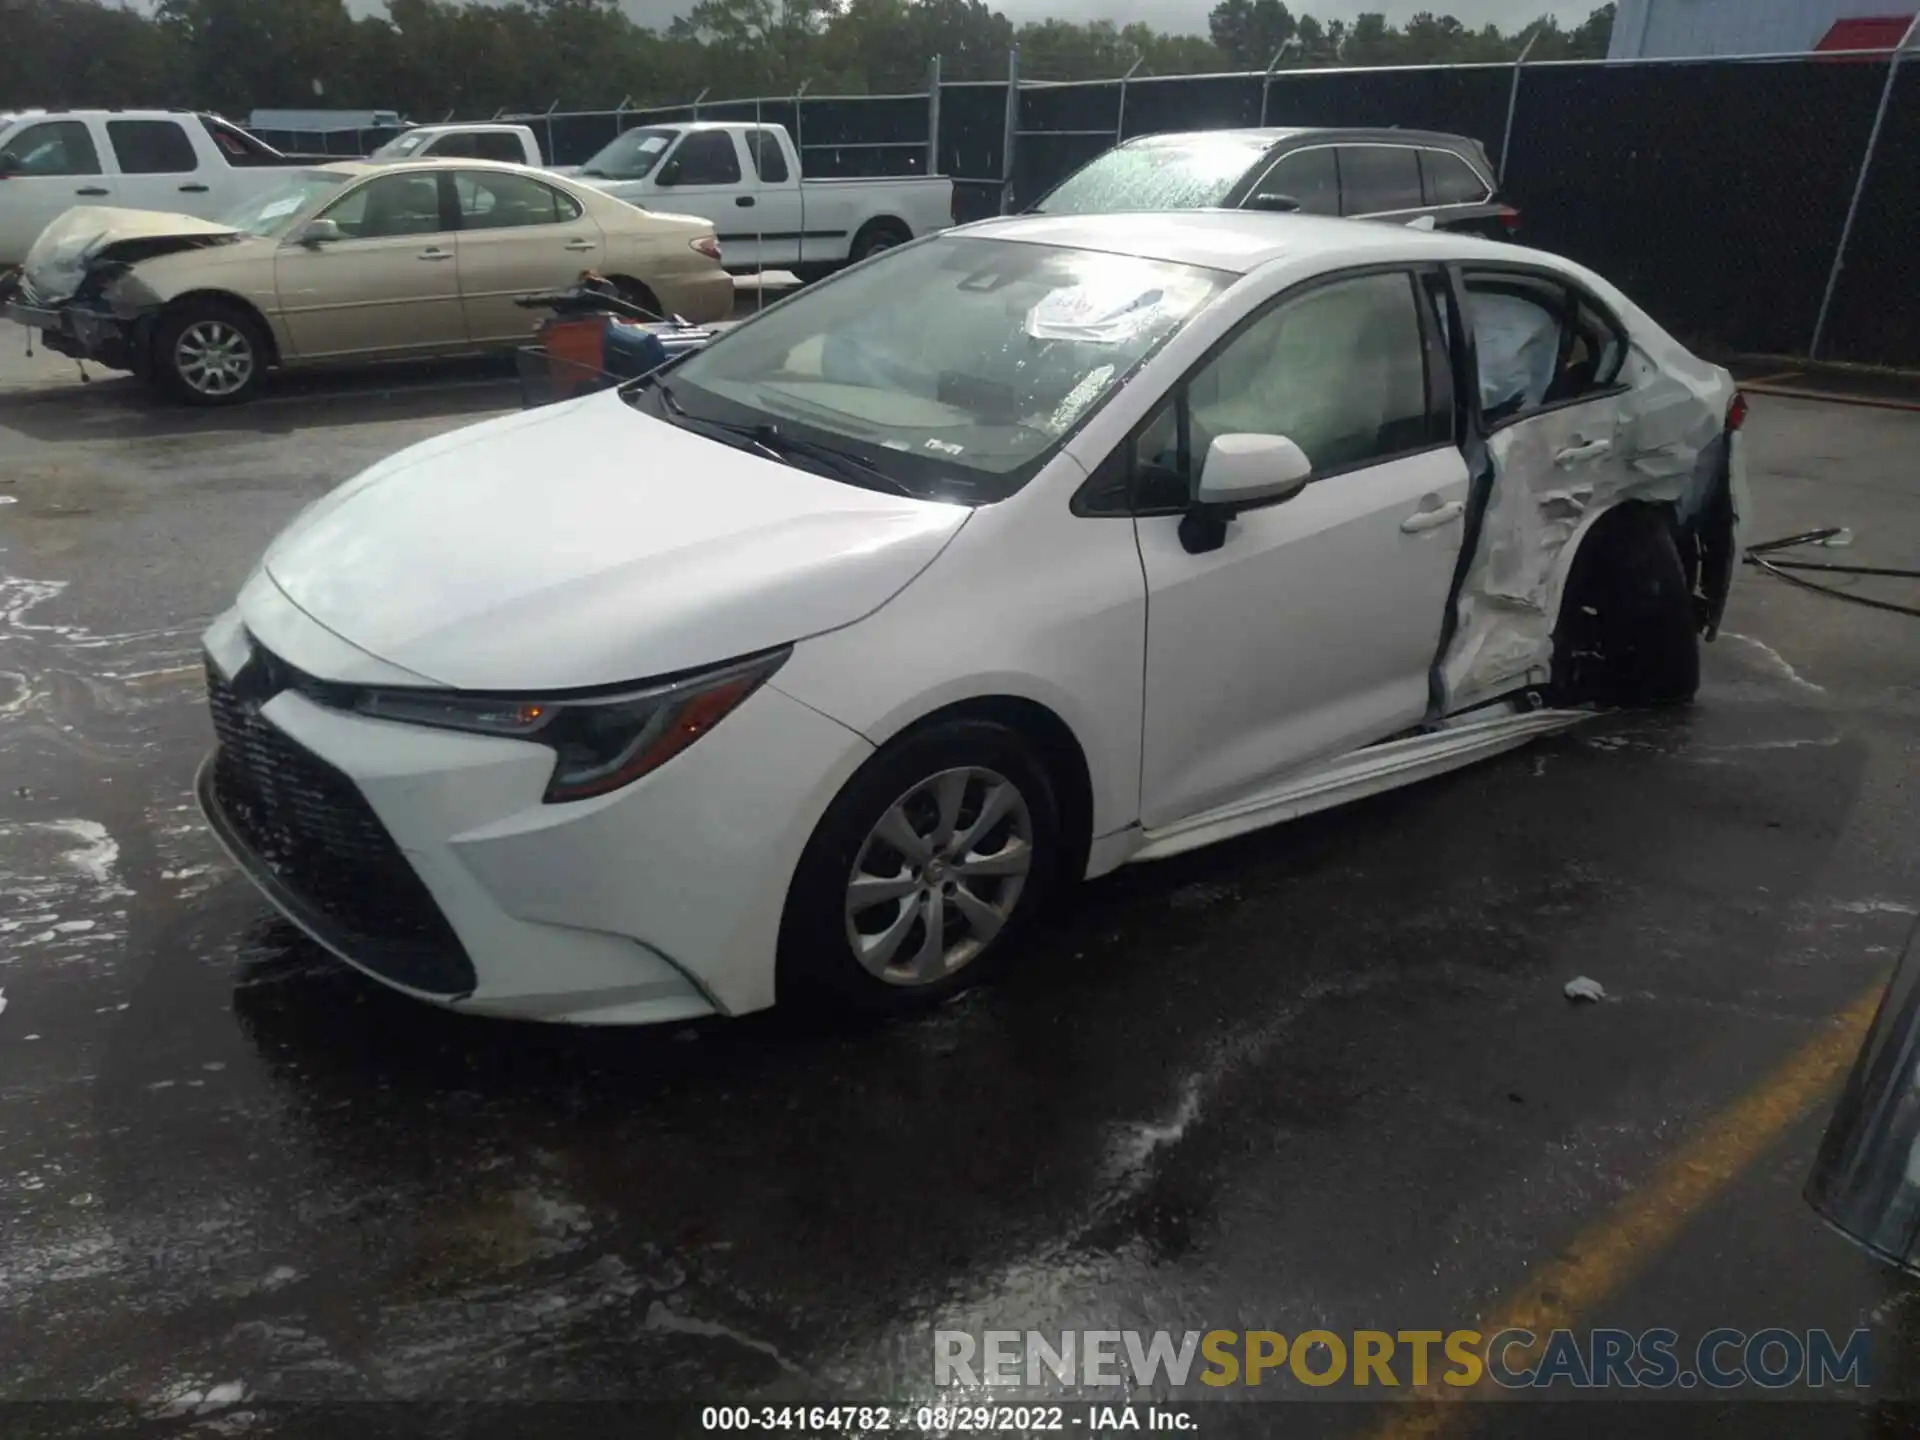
(776, 445)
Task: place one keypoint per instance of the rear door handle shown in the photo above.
(743, 201)
(193, 189)
(436, 253)
(1583, 450)
(580, 245)
(91, 190)
(1433, 519)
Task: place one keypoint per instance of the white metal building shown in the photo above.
(1644, 29)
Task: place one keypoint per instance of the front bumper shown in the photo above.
(659, 902)
(83, 333)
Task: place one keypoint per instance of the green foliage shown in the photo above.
(431, 57)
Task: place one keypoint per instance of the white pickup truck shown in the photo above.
(466, 140)
(746, 179)
(173, 160)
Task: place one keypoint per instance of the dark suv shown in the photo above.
(1393, 175)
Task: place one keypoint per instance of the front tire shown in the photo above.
(923, 872)
(210, 354)
(1626, 634)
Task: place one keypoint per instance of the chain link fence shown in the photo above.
(1761, 205)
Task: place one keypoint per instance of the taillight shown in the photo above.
(1737, 412)
(707, 246)
(1510, 218)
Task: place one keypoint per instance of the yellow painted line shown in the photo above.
(1768, 379)
(162, 677)
(1608, 1254)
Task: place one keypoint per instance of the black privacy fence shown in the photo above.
(1718, 193)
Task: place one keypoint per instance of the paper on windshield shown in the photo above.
(652, 143)
(1098, 313)
(282, 207)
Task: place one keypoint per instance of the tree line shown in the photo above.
(427, 58)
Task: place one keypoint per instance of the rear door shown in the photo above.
(390, 285)
(518, 236)
(1551, 363)
(1381, 182)
(161, 169)
(50, 167)
(766, 228)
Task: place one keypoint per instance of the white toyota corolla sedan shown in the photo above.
(812, 663)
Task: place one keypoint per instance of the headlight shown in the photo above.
(600, 742)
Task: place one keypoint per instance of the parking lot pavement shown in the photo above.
(1321, 1077)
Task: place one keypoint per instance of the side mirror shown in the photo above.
(1425, 222)
(669, 174)
(1240, 473)
(1280, 204)
(320, 232)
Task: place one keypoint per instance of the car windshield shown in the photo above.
(954, 367)
(272, 212)
(402, 146)
(1186, 174)
(631, 155)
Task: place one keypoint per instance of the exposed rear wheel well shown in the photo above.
(889, 229)
(1626, 633)
(638, 292)
(1059, 747)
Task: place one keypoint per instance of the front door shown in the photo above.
(53, 166)
(703, 176)
(1311, 630)
(518, 237)
(389, 285)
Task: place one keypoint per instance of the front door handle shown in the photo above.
(743, 201)
(1433, 519)
(434, 252)
(91, 190)
(1583, 450)
(193, 189)
(580, 245)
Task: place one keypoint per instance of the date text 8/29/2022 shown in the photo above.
(1094, 1419)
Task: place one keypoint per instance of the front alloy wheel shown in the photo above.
(939, 876)
(210, 355)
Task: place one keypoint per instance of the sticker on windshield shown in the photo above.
(653, 143)
(283, 207)
(1100, 314)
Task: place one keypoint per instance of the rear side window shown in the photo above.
(501, 200)
(1375, 179)
(1450, 180)
(767, 157)
(706, 157)
(1310, 178)
(236, 146)
(151, 147)
(53, 147)
(1539, 342)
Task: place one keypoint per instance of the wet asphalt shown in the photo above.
(1321, 1077)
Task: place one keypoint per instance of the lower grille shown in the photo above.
(318, 848)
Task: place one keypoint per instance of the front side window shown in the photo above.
(1309, 178)
(151, 147)
(502, 201)
(1539, 343)
(630, 155)
(1450, 180)
(706, 157)
(1192, 173)
(1377, 179)
(53, 147)
(388, 206)
(956, 366)
(1340, 370)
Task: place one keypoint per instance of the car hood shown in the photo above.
(586, 544)
(89, 236)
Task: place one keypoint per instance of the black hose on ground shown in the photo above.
(1757, 555)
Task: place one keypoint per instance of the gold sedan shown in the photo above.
(351, 262)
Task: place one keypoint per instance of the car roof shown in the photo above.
(1273, 135)
(1240, 241)
(430, 162)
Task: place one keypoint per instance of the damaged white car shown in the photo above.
(811, 663)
